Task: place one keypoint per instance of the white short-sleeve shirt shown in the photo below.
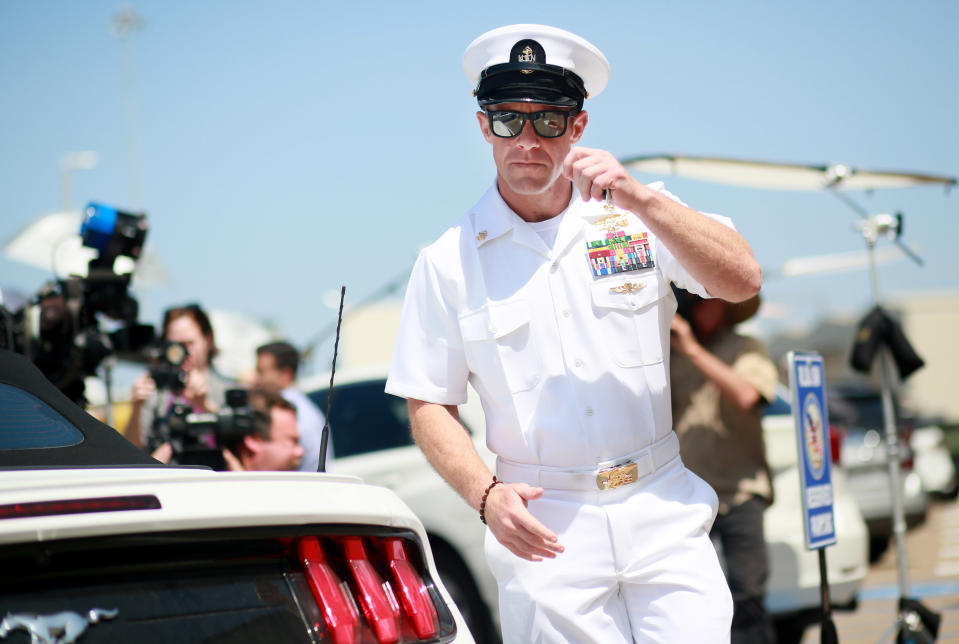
(567, 346)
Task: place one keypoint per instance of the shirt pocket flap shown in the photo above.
(475, 325)
(628, 293)
(507, 316)
(495, 320)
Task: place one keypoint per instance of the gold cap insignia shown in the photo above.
(628, 287)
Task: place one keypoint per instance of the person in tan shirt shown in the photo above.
(720, 381)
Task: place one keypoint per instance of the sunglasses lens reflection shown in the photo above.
(548, 124)
(506, 124)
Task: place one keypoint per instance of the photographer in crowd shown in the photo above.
(276, 367)
(274, 444)
(197, 385)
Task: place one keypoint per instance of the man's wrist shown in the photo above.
(639, 196)
(486, 493)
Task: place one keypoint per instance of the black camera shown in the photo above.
(200, 438)
(59, 329)
(166, 366)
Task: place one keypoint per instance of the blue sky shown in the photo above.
(290, 147)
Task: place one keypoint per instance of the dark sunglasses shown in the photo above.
(549, 124)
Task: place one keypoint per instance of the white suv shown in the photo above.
(371, 432)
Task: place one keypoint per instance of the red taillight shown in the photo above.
(380, 612)
(414, 595)
(79, 506)
(359, 607)
(836, 436)
(329, 592)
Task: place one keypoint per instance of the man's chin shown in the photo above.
(530, 185)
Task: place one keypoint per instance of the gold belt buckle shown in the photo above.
(614, 477)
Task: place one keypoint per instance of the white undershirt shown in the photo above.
(547, 229)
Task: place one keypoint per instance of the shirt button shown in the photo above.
(565, 313)
(578, 362)
(589, 411)
(554, 267)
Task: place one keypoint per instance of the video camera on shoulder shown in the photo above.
(200, 438)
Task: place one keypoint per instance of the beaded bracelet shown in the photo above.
(495, 482)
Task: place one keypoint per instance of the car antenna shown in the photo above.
(325, 437)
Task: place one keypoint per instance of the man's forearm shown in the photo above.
(449, 449)
(718, 257)
(732, 385)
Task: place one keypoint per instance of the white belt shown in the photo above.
(612, 474)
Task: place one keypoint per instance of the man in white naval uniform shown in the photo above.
(557, 307)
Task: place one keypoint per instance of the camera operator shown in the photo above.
(200, 386)
(274, 444)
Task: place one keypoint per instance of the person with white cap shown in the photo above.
(556, 308)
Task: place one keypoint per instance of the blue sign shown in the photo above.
(807, 383)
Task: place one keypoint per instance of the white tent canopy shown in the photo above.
(779, 176)
(52, 242)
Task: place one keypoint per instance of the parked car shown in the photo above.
(858, 409)
(371, 431)
(99, 540)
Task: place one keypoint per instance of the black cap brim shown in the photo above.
(526, 83)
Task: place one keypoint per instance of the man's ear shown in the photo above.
(483, 121)
(578, 126)
(252, 443)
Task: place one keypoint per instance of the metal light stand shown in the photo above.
(872, 227)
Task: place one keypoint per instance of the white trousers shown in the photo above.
(638, 567)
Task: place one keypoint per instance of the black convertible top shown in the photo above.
(29, 423)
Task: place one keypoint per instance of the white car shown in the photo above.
(857, 408)
(99, 543)
(371, 432)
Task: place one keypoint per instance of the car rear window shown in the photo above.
(29, 423)
(364, 418)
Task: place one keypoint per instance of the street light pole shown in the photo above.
(126, 20)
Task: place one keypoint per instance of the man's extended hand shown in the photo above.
(515, 527)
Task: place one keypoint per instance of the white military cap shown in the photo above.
(536, 64)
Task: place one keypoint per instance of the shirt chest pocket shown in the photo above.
(500, 346)
(628, 310)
